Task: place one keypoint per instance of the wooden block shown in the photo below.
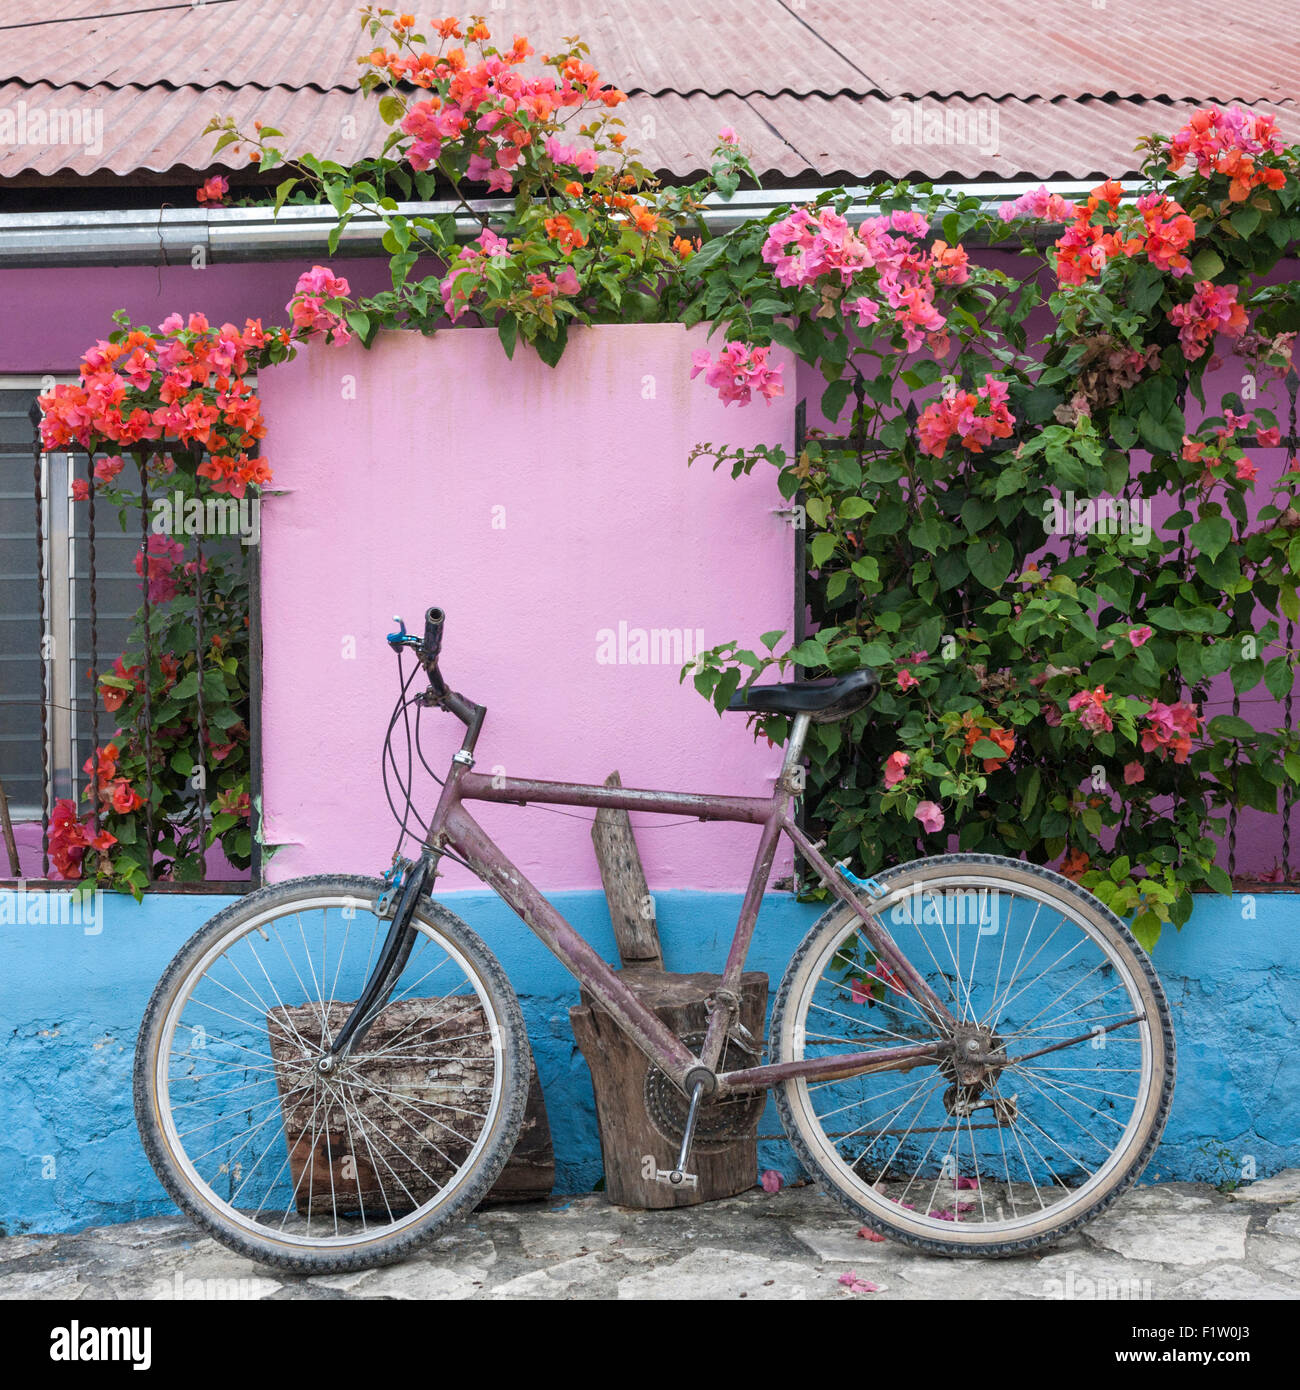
(403, 1155)
(632, 1140)
(625, 887)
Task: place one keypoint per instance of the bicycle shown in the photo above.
(293, 1095)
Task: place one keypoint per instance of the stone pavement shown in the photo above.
(1173, 1240)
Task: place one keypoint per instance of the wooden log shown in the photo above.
(631, 908)
(15, 868)
(636, 1138)
(407, 1152)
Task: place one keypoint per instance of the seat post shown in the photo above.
(791, 780)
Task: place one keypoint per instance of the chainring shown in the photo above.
(720, 1123)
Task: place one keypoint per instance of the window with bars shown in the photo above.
(72, 596)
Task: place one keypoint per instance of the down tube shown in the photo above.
(646, 1030)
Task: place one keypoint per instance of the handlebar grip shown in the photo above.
(433, 621)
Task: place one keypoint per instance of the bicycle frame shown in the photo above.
(452, 827)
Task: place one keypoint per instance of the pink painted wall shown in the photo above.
(393, 464)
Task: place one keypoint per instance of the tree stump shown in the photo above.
(397, 1165)
(641, 1113)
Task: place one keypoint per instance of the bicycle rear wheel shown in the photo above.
(327, 1172)
(998, 1158)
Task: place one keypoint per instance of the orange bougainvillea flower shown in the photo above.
(562, 230)
(449, 29)
(1075, 864)
(645, 221)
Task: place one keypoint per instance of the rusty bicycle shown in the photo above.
(970, 1052)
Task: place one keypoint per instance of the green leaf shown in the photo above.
(834, 398)
(1211, 534)
(1278, 677)
(1206, 264)
(1230, 726)
(991, 561)
(1244, 221)
(508, 332)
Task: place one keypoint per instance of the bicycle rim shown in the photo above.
(266, 1147)
(1039, 973)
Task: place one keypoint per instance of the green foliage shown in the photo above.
(1031, 658)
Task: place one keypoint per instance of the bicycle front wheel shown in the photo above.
(322, 1172)
(1003, 1155)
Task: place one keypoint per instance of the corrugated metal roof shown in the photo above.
(829, 90)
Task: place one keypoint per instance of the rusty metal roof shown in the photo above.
(826, 91)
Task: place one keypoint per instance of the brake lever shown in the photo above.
(401, 638)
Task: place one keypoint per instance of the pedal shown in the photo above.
(674, 1177)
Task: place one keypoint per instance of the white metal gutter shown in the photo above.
(180, 236)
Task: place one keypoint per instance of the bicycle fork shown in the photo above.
(393, 956)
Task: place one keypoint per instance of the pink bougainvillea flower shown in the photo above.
(906, 680)
(866, 1233)
(1039, 203)
(966, 1184)
(896, 767)
(859, 991)
(1091, 705)
(1134, 773)
(213, 190)
(739, 371)
(727, 136)
(771, 1180)
(164, 554)
(1212, 309)
(975, 417)
(1270, 438)
(851, 1282)
(80, 489)
(930, 814)
(1246, 471)
(1169, 728)
(307, 307)
(566, 282)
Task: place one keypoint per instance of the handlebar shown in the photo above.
(432, 644)
(428, 650)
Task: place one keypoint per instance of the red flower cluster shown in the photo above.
(182, 385)
(1229, 143)
(115, 793)
(488, 101)
(70, 838)
(1212, 309)
(976, 417)
(1156, 225)
(1169, 728)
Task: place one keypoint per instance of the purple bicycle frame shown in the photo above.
(452, 827)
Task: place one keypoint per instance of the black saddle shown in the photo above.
(825, 701)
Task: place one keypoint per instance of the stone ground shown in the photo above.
(1171, 1240)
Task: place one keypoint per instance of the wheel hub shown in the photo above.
(974, 1061)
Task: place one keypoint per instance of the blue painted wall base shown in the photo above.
(71, 998)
